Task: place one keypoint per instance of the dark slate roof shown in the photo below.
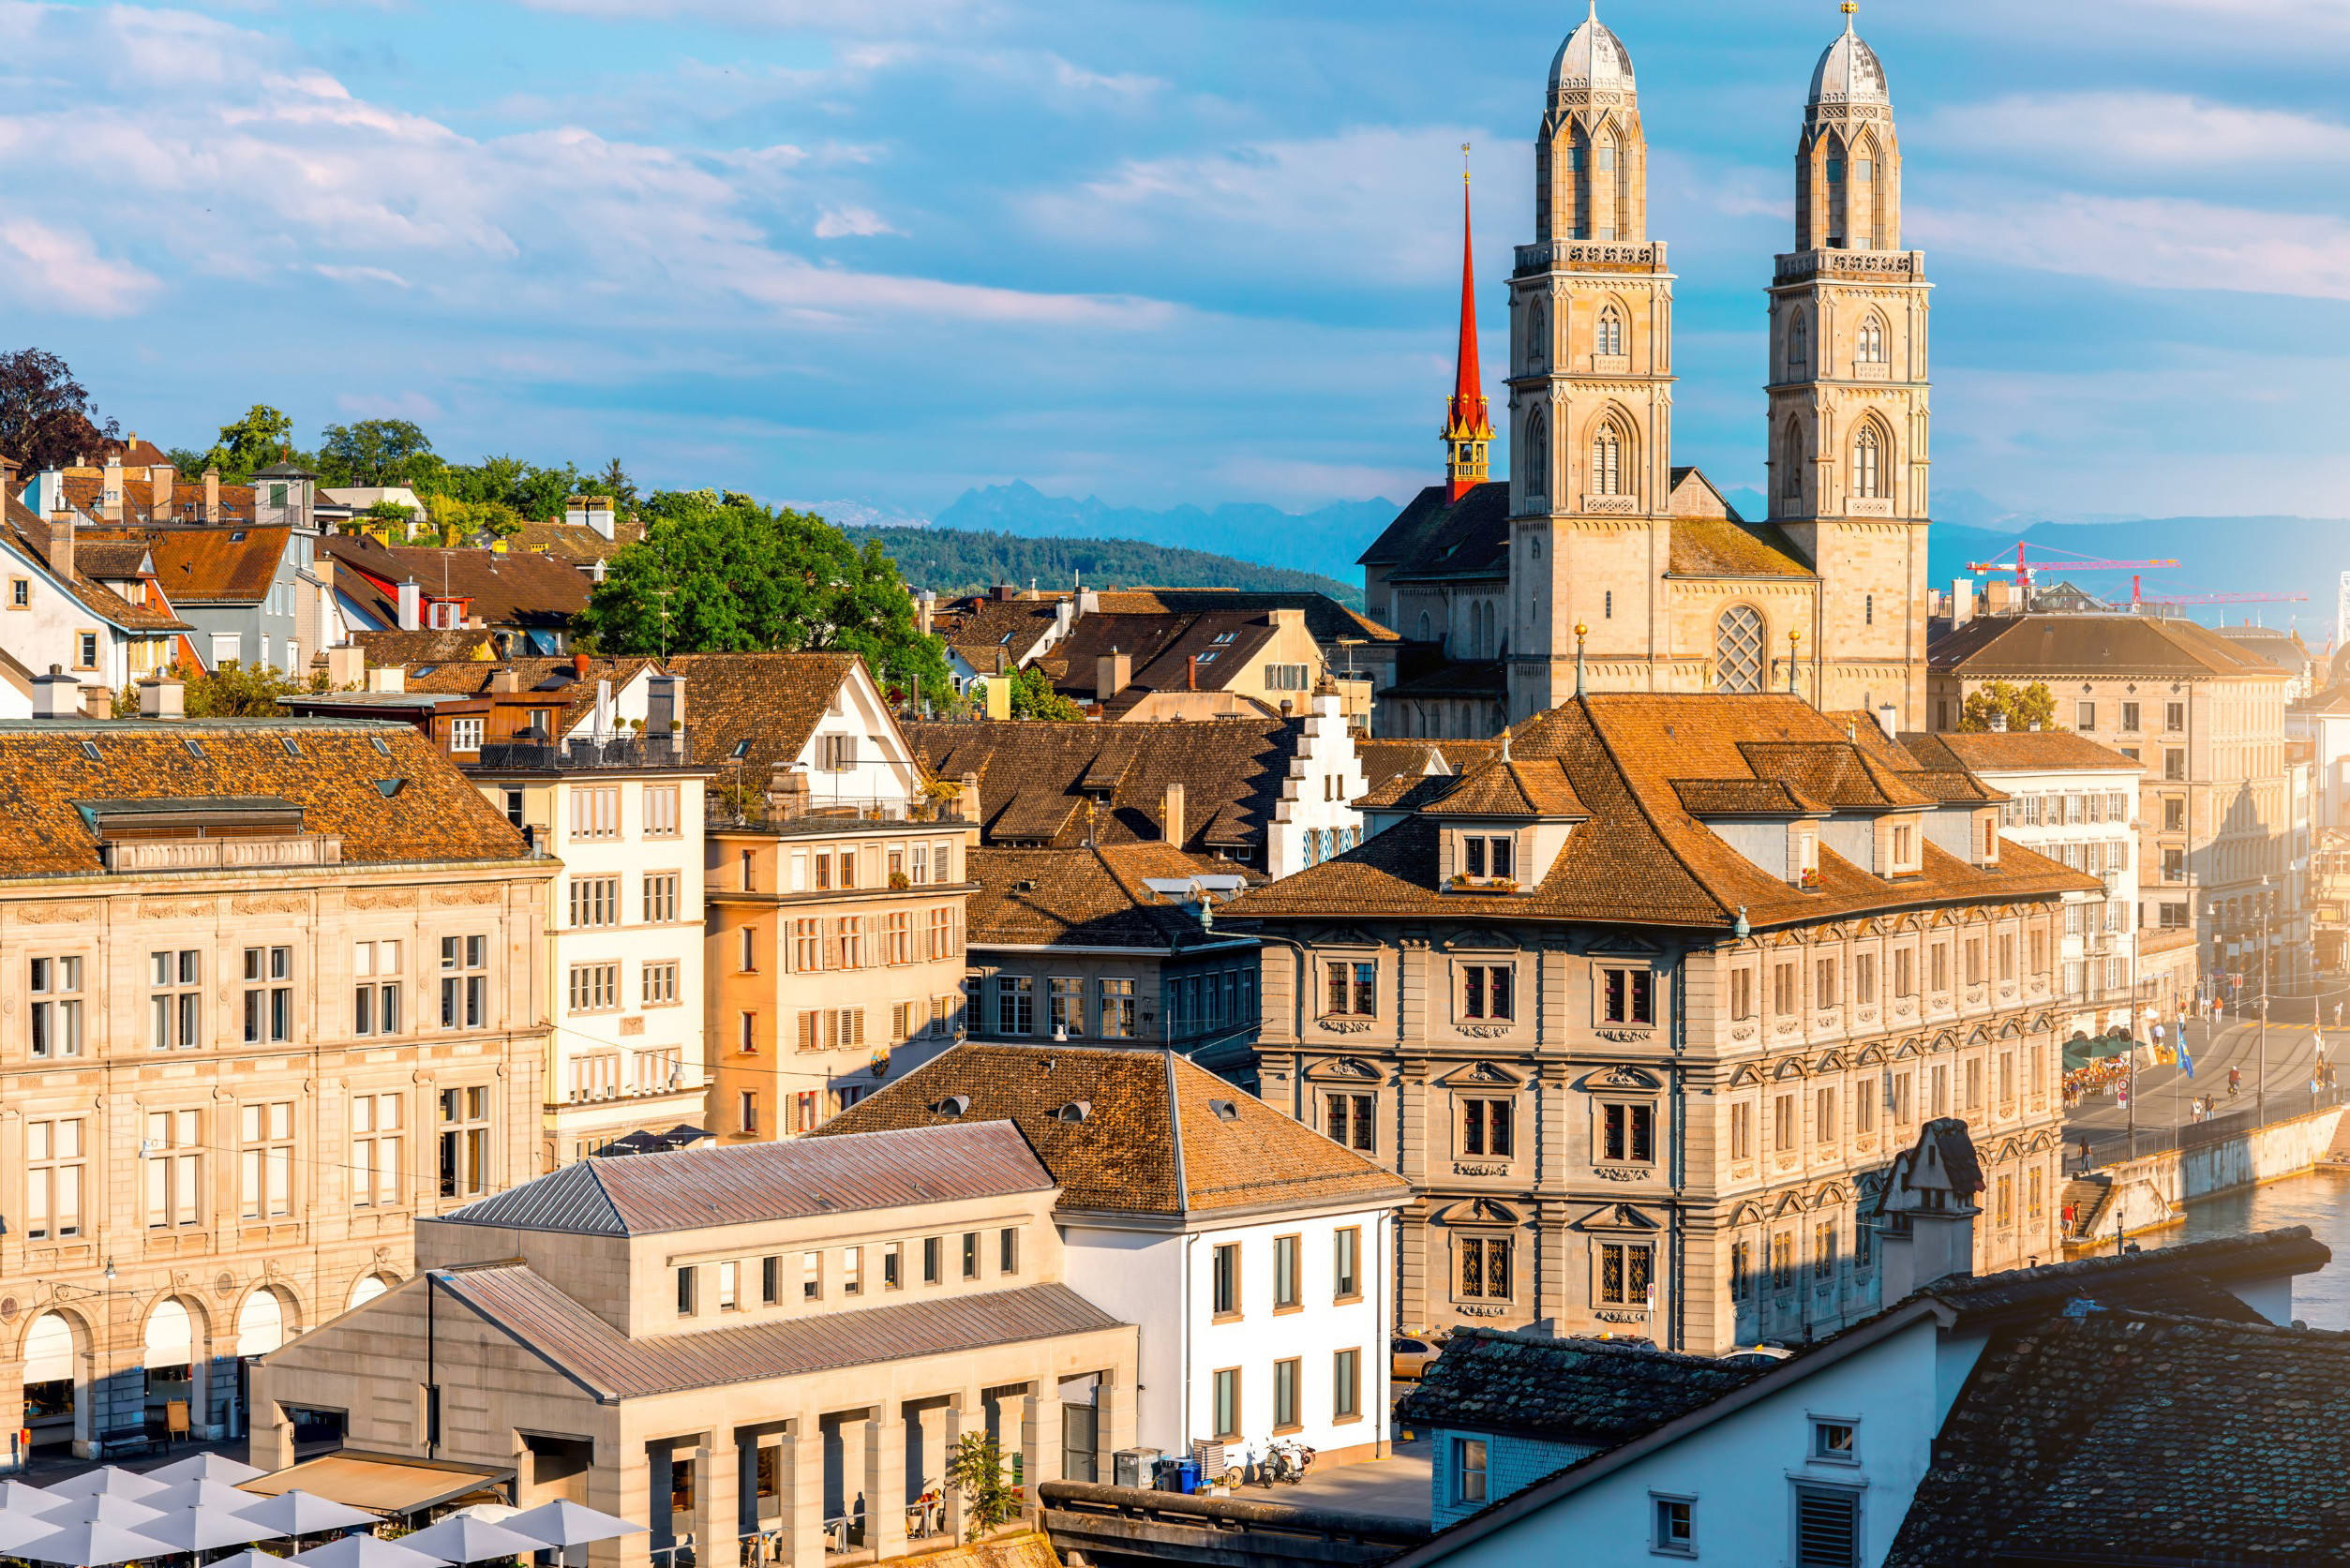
(691, 1188)
(1432, 539)
(612, 1365)
(1096, 896)
(2128, 1436)
(2142, 1278)
(1592, 1392)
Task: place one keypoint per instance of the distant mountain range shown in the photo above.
(1323, 540)
(953, 560)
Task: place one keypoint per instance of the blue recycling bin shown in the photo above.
(1188, 1476)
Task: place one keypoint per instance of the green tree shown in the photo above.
(262, 436)
(723, 574)
(990, 1499)
(371, 452)
(2026, 707)
(614, 482)
(233, 691)
(1033, 698)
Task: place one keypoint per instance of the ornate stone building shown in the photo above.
(1595, 545)
(1643, 1006)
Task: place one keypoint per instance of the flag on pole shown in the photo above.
(2186, 1062)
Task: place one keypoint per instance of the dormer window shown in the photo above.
(1802, 855)
(1900, 847)
(1477, 854)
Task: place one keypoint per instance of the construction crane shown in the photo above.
(2025, 568)
(2138, 598)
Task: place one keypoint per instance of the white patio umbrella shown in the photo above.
(203, 1494)
(17, 1529)
(459, 1539)
(296, 1512)
(107, 1509)
(247, 1559)
(93, 1545)
(203, 1530)
(204, 1467)
(563, 1524)
(107, 1481)
(365, 1551)
(17, 1498)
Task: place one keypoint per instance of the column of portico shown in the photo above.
(628, 1494)
(885, 1480)
(1040, 1439)
(966, 1417)
(803, 1494)
(717, 1501)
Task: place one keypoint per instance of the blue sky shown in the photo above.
(1158, 252)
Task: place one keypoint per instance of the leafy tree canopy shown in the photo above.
(372, 452)
(262, 436)
(1033, 698)
(2026, 707)
(46, 420)
(231, 691)
(723, 574)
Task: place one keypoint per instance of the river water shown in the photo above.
(2320, 1201)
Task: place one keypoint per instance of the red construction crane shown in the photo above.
(2136, 598)
(2025, 568)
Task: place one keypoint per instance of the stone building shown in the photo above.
(1597, 562)
(273, 990)
(2223, 812)
(1641, 1009)
(766, 1354)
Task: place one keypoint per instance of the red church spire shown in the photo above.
(1468, 422)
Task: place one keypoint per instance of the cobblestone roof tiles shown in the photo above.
(2090, 645)
(1088, 897)
(692, 1190)
(1718, 547)
(1151, 1139)
(2018, 750)
(2133, 1435)
(1230, 770)
(614, 1366)
(1642, 859)
(1565, 1390)
(334, 775)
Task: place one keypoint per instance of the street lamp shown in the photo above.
(2260, 1086)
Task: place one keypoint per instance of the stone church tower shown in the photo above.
(1591, 387)
(1849, 393)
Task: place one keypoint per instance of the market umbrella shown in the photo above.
(202, 1530)
(203, 1494)
(461, 1539)
(17, 1498)
(299, 1513)
(204, 1467)
(107, 1481)
(93, 1545)
(107, 1510)
(367, 1551)
(247, 1559)
(562, 1524)
(16, 1528)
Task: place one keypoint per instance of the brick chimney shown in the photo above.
(1113, 672)
(212, 496)
(61, 530)
(1171, 823)
(968, 804)
(110, 495)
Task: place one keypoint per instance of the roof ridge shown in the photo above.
(1696, 877)
(1174, 1138)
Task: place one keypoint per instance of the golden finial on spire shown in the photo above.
(1465, 163)
(1852, 9)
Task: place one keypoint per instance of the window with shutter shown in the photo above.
(1827, 1529)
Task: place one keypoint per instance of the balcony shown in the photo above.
(1898, 265)
(130, 857)
(613, 754)
(1550, 255)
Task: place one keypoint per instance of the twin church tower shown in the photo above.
(1593, 528)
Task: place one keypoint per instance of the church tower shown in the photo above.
(1848, 394)
(1468, 417)
(1589, 392)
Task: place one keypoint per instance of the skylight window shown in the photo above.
(741, 749)
(382, 746)
(291, 746)
(1208, 657)
(196, 750)
(390, 787)
(89, 749)
(1223, 638)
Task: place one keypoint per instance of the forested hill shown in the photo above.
(953, 560)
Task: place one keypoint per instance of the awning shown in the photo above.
(171, 1339)
(387, 1483)
(48, 1351)
(261, 1324)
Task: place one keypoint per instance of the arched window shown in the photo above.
(1792, 466)
(1608, 336)
(1799, 347)
(1424, 626)
(1537, 336)
(1738, 650)
(1537, 457)
(1872, 346)
(1607, 462)
(1868, 464)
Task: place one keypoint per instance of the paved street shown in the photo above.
(2166, 1095)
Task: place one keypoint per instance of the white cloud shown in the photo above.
(840, 16)
(62, 270)
(407, 404)
(2166, 130)
(1125, 85)
(838, 223)
(2153, 242)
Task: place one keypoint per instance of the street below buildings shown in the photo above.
(2286, 1060)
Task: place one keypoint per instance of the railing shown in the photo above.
(1807, 263)
(126, 856)
(1599, 253)
(618, 753)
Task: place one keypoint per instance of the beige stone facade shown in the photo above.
(244, 1050)
(789, 1374)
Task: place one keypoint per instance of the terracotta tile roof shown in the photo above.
(574, 543)
(1158, 1134)
(30, 533)
(770, 700)
(1745, 797)
(1711, 548)
(1326, 619)
(612, 1365)
(1386, 760)
(110, 557)
(1232, 771)
(1536, 788)
(435, 814)
(1642, 859)
(1226, 643)
(980, 632)
(231, 566)
(2025, 751)
(1088, 897)
(2144, 1437)
(1593, 1392)
(690, 1189)
(424, 648)
(527, 592)
(2009, 646)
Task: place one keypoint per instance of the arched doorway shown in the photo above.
(369, 1287)
(54, 1407)
(172, 1356)
(265, 1321)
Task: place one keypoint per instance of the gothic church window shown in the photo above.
(1738, 650)
(1606, 462)
(1868, 464)
(1537, 457)
(1792, 466)
(1872, 348)
(1799, 348)
(1608, 336)
(1537, 336)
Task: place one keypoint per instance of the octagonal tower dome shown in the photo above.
(1593, 59)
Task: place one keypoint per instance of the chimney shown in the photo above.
(388, 677)
(1088, 602)
(1191, 672)
(57, 695)
(1113, 672)
(787, 794)
(61, 530)
(968, 805)
(1999, 724)
(212, 495)
(1006, 594)
(505, 680)
(1064, 616)
(110, 494)
(161, 698)
(1962, 601)
(925, 610)
(1885, 719)
(346, 666)
(1171, 824)
(412, 605)
(161, 478)
(593, 512)
(595, 570)
(665, 704)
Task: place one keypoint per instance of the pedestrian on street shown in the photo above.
(2235, 1082)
